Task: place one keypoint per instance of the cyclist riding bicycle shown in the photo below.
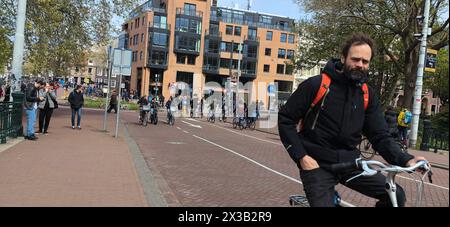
(330, 131)
(168, 104)
(143, 101)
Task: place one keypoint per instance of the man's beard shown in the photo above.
(357, 75)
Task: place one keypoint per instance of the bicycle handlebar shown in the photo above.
(372, 167)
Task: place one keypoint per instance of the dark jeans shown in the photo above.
(111, 107)
(319, 187)
(44, 118)
(78, 112)
(403, 134)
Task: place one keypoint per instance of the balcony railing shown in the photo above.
(159, 25)
(214, 33)
(194, 13)
(211, 68)
(251, 38)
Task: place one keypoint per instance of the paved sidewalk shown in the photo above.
(69, 167)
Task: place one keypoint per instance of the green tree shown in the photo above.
(392, 24)
(59, 33)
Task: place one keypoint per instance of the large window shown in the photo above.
(225, 63)
(226, 47)
(229, 30)
(281, 53)
(290, 54)
(160, 39)
(280, 68)
(182, 24)
(251, 34)
(181, 58)
(266, 68)
(214, 29)
(160, 21)
(186, 25)
(237, 31)
(283, 37)
(213, 46)
(252, 51)
(191, 59)
(268, 52)
(158, 58)
(238, 17)
(236, 47)
(291, 38)
(269, 35)
(189, 9)
(187, 43)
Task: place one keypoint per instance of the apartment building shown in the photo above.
(197, 42)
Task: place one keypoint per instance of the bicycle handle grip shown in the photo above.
(345, 166)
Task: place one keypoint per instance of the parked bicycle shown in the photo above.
(371, 168)
(365, 147)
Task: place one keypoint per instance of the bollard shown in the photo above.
(18, 99)
(427, 130)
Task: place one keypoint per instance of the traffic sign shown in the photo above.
(431, 60)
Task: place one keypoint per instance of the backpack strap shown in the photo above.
(324, 87)
(365, 90)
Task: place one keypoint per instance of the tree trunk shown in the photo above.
(410, 78)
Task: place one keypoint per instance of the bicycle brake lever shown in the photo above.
(429, 176)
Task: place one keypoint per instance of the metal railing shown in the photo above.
(195, 13)
(431, 138)
(10, 120)
(159, 25)
(210, 68)
(215, 33)
(251, 38)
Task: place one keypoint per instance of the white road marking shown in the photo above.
(192, 125)
(185, 131)
(442, 187)
(242, 134)
(179, 128)
(257, 163)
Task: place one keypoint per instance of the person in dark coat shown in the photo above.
(76, 101)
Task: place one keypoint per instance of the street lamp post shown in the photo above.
(19, 43)
(239, 74)
(419, 81)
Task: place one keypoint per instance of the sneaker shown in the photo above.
(45, 133)
(73, 127)
(79, 127)
(38, 132)
(32, 138)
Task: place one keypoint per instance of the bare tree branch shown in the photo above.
(395, 31)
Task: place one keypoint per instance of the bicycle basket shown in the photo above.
(146, 108)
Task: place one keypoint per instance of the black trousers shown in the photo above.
(319, 187)
(112, 106)
(44, 118)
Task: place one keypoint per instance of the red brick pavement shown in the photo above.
(70, 167)
(271, 154)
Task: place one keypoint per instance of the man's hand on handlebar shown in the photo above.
(414, 161)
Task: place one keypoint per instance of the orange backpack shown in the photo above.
(323, 91)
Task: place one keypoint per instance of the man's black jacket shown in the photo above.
(76, 100)
(340, 122)
(31, 96)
